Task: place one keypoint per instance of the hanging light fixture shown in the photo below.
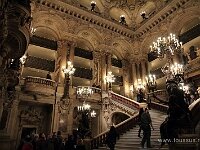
(151, 82)
(139, 84)
(167, 46)
(93, 5)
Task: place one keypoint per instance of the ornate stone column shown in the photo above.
(103, 70)
(144, 72)
(134, 72)
(96, 68)
(55, 118)
(134, 77)
(138, 70)
(126, 86)
(109, 65)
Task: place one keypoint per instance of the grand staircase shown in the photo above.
(130, 139)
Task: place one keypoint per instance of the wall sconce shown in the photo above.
(93, 5)
(122, 19)
(33, 30)
(23, 59)
(143, 14)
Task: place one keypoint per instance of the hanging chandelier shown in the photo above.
(84, 91)
(151, 82)
(167, 46)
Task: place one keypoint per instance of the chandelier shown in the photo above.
(70, 69)
(174, 72)
(167, 46)
(139, 84)
(110, 77)
(151, 82)
(84, 107)
(84, 91)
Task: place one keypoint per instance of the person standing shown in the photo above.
(146, 125)
(139, 121)
(111, 138)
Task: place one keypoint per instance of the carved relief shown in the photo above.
(97, 62)
(35, 116)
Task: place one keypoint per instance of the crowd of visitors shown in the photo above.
(51, 142)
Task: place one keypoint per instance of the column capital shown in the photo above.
(68, 43)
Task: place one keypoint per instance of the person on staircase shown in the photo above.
(139, 121)
(111, 138)
(146, 125)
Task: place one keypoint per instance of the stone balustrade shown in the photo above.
(40, 85)
(125, 101)
(193, 67)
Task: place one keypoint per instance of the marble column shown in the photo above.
(103, 71)
(134, 73)
(55, 118)
(144, 73)
(96, 68)
(138, 70)
(126, 86)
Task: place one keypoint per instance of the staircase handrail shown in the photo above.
(124, 100)
(121, 128)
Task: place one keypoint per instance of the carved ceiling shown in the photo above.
(131, 9)
(100, 29)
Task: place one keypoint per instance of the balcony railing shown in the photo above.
(193, 66)
(121, 128)
(125, 101)
(39, 85)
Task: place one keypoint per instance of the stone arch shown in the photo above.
(120, 47)
(90, 34)
(49, 20)
(182, 19)
(118, 117)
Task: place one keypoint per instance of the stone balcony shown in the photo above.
(193, 68)
(39, 85)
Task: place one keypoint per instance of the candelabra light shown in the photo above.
(69, 70)
(84, 91)
(33, 30)
(93, 5)
(139, 85)
(23, 59)
(110, 79)
(151, 82)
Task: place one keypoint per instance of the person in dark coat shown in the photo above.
(146, 125)
(42, 143)
(139, 121)
(70, 143)
(111, 138)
